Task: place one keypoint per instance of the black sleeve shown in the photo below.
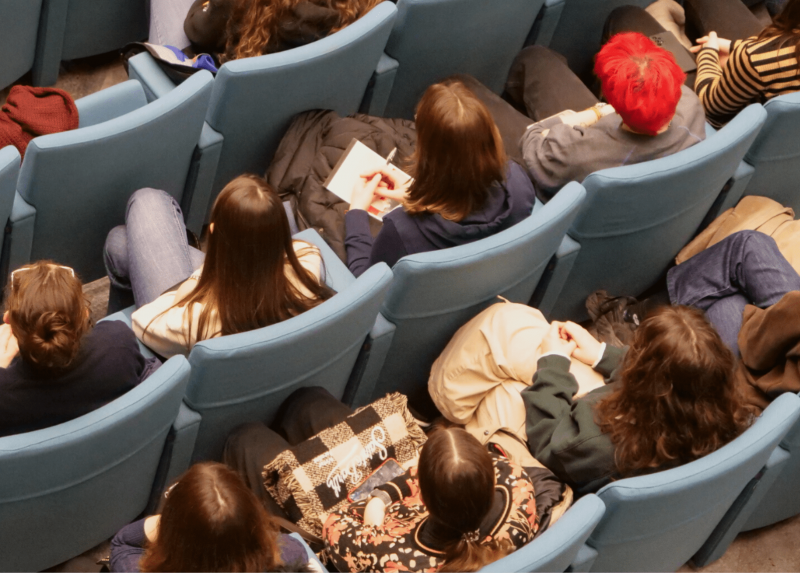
(127, 547)
(205, 25)
(362, 250)
(397, 488)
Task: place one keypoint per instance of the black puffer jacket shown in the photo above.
(311, 148)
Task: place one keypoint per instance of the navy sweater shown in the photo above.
(403, 234)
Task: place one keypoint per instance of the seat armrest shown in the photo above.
(22, 222)
(544, 27)
(736, 186)
(380, 87)
(555, 275)
(197, 200)
(372, 357)
(185, 429)
(337, 275)
(584, 559)
(110, 103)
(155, 82)
(125, 316)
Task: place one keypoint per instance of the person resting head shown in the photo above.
(253, 275)
(47, 322)
(640, 81)
(463, 187)
(209, 521)
(669, 400)
(449, 512)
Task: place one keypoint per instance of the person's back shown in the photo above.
(65, 368)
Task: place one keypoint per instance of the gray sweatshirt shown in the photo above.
(569, 153)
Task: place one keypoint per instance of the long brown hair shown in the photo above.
(459, 153)
(244, 278)
(211, 521)
(786, 23)
(676, 401)
(456, 482)
(48, 314)
(253, 26)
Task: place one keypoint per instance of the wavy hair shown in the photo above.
(48, 315)
(677, 400)
(253, 25)
(786, 23)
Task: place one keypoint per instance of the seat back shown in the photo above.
(434, 39)
(658, 522)
(67, 488)
(638, 217)
(79, 181)
(255, 99)
(580, 31)
(246, 377)
(775, 153)
(19, 22)
(555, 549)
(93, 27)
(9, 172)
(433, 294)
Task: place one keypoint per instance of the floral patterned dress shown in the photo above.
(400, 543)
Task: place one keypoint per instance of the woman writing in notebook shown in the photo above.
(463, 187)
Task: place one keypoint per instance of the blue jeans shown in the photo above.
(150, 254)
(744, 268)
(166, 22)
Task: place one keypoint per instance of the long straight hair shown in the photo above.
(244, 278)
(456, 482)
(459, 153)
(254, 24)
(786, 23)
(211, 521)
(676, 400)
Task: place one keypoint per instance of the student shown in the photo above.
(209, 521)
(54, 366)
(733, 73)
(237, 29)
(463, 189)
(252, 276)
(650, 113)
(670, 399)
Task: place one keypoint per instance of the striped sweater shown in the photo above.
(756, 71)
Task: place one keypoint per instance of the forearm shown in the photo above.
(724, 91)
(358, 241)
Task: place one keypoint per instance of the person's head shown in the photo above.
(456, 482)
(253, 27)
(48, 314)
(640, 80)
(677, 400)
(786, 23)
(244, 275)
(211, 521)
(459, 152)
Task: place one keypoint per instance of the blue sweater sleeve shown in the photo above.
(127, 547)
(362, 250)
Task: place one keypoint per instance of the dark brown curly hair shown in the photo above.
(677, 400)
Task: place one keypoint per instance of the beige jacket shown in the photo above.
(165, 328)
(754, 214)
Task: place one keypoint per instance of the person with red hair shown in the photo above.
(649, 114)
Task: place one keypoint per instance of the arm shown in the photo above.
(362, 250)
(127, 547)
(8, 346)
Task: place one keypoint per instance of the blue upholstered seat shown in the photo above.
(72, 29)
(557, 547)
(775, 154)
(19, 22)
(9, 172)
(67, 488)
(73, 186)
(636, 218)
(255, 99)
(658, 522)
(434, 39)
(433, 294)
(245, 377)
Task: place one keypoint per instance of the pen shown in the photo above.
(391, 155)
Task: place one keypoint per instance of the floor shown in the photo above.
(771, 548)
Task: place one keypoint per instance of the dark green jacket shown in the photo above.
(562, 433)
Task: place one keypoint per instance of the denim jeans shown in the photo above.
(166, 22)
(150, 254)
(744, 268)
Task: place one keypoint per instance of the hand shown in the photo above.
(588, 347)
(151, 527)
(9, 347)
(364, 192)
(553, 341)
(374, 512)
(394, 183)
(722, 46)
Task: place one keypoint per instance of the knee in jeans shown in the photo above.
(755, 238)
(149, 194)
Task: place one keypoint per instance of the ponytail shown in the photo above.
(468, 553)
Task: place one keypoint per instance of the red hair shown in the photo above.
(641, 81)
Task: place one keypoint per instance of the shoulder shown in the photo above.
(112, 333)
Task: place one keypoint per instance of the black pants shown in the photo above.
(250, 447)
(730, 19)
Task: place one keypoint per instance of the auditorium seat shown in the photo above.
(19, 22)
